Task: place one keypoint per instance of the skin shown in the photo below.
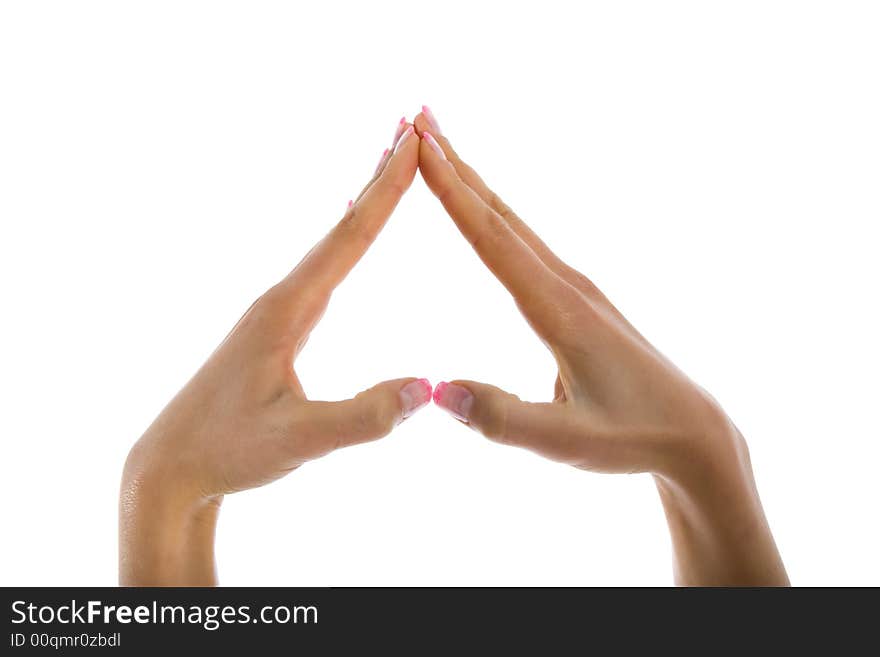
(619, 405)
(243, 420)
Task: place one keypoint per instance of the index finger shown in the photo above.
(536, 288)
(330, 261)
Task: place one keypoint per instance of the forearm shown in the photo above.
(166, 531)
(720, 535)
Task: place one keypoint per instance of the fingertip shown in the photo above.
(433, 124)
(438, 172)
(406, 152)
(414, 396)
(428, 154)
(438, 391)
(405, 137)
(398, 131)
(429, 139)
(403, 161)
(420, 122)
(383, 159)
(454, 399)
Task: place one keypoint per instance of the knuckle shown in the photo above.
(490, 232)
(444, 191)
(495, 422)
(392, 184)
(500, 206)
(571, 297)
(585, 284)
(566, 315)
(572, 324)
(355, 227)
(375, 417)
(269, 298)
(311, 303)
(264, 307)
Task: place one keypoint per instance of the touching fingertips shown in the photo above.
(404, 137)
(414, 396)
(454, 399)
(428, 137)
(432, 120)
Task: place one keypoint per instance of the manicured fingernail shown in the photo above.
(455, 400)
(401, 126)
(406, 135)
(415, 395)
(350, 203)
(428, 137)
(382, 159)
(432, 120)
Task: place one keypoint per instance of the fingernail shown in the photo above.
(381, 159)
(415, 395)
(432, 120)
(350, 203)
(401, 126)
(455, 400)
(428, 137)
(406, 134)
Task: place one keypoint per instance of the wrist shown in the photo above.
(698, 466)
(166, 524)
(720, 534)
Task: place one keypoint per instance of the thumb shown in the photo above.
(501, 416)
(370, 414)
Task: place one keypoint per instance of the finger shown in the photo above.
(552, 430)
(328, 263)
(504, 418)
(540, 293)
(369, 415)
(425, 122)
(402, 125)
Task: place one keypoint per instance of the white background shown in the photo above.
(714, 167)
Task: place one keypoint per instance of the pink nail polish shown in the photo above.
(428, 137)
(455, 400)
(350, 203)
(432, 120)
(415, 395)
(406, 135)
(401, 126)
(381, 160)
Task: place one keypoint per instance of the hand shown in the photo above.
(244, 420)
(619, 405)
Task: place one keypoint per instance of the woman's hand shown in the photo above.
(619, 405)
(244, 420)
